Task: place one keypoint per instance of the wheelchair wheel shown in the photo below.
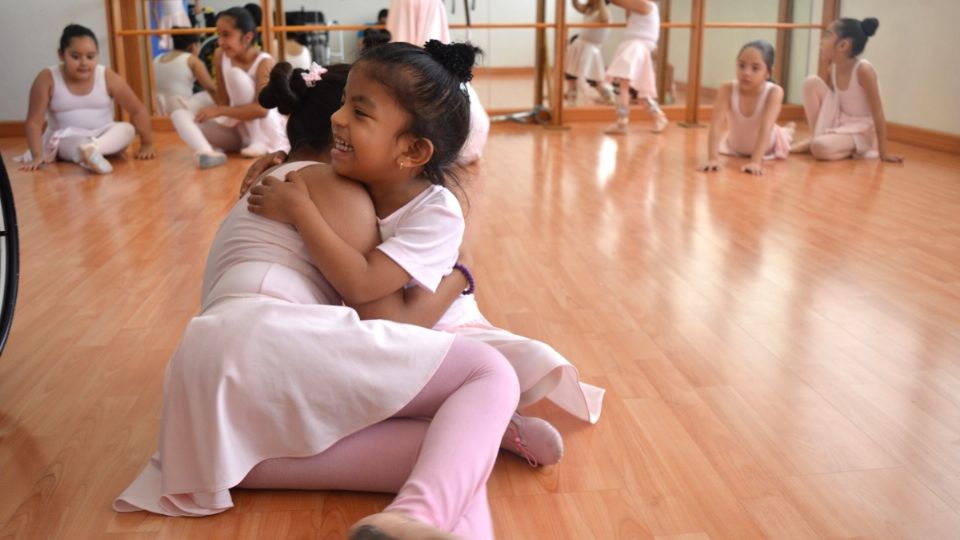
(9, 255)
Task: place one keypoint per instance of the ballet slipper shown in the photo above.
(255, 150)
(92, 159)
(396, 526)
(206, 160)
(533, 439)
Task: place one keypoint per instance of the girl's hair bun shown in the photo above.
(285, 90)
(869, 26)
(457, 58)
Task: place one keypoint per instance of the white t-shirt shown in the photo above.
(424, 236)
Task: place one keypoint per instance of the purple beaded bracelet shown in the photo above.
(471, 285)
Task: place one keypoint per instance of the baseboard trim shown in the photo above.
(924, 138)
(12, 129)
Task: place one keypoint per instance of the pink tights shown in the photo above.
(436, 453)
(827, 146)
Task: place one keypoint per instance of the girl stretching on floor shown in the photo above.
(749, 105)
(76, 98)
(236, 122)
(632, 64)
(844, 112)
(323, 397)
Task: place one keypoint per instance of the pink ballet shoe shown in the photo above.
(396, 526)
(533, 439)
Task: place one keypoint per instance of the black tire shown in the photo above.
(10, 253)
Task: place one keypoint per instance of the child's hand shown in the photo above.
(277, 199)
(32, 165)
(712, 165)
(891, 158)
(752, 168)
(145, 152)
(207, 113)
(259, 167)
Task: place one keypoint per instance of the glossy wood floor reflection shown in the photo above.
(782, 353)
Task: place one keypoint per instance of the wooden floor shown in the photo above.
(781, 354)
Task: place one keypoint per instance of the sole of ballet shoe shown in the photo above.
(210, 159)
(92, 159)
(395, 526)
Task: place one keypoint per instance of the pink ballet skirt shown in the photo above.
(633, 61)
(272, 367)
(780, 140)
(543, 372)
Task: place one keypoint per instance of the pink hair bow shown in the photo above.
(312, 75)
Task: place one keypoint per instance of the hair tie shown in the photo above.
(312, 75)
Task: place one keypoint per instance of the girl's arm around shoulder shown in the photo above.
(867, 77)
(139, 116)
(643, 7)
(358, 275)
(41, 91)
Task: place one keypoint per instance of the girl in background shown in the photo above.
(749, 107)
(76, 98)
(177, 71)
(236, 122)
(845, 113)
(170, 14)
(632, 64)
(584, 59)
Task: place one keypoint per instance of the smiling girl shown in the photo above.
(76, 98)
(749, 106)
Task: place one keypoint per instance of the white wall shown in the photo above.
(29, 38)
(915, 58)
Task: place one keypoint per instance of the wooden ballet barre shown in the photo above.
(624, 25)
(786, 26)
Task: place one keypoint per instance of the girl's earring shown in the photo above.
(401, 164)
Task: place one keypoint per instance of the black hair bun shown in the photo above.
(869, 26)
(285, 89)
(457, 58)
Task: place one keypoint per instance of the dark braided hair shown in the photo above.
(429, 83)
(309, 109)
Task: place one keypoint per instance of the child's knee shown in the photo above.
(824, 151)
(494, 367)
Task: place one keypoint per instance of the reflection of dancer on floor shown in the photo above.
(584, 58)
(749, 105)
(632, 64)
(236, 122)
(845, 113)
(76, 98)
